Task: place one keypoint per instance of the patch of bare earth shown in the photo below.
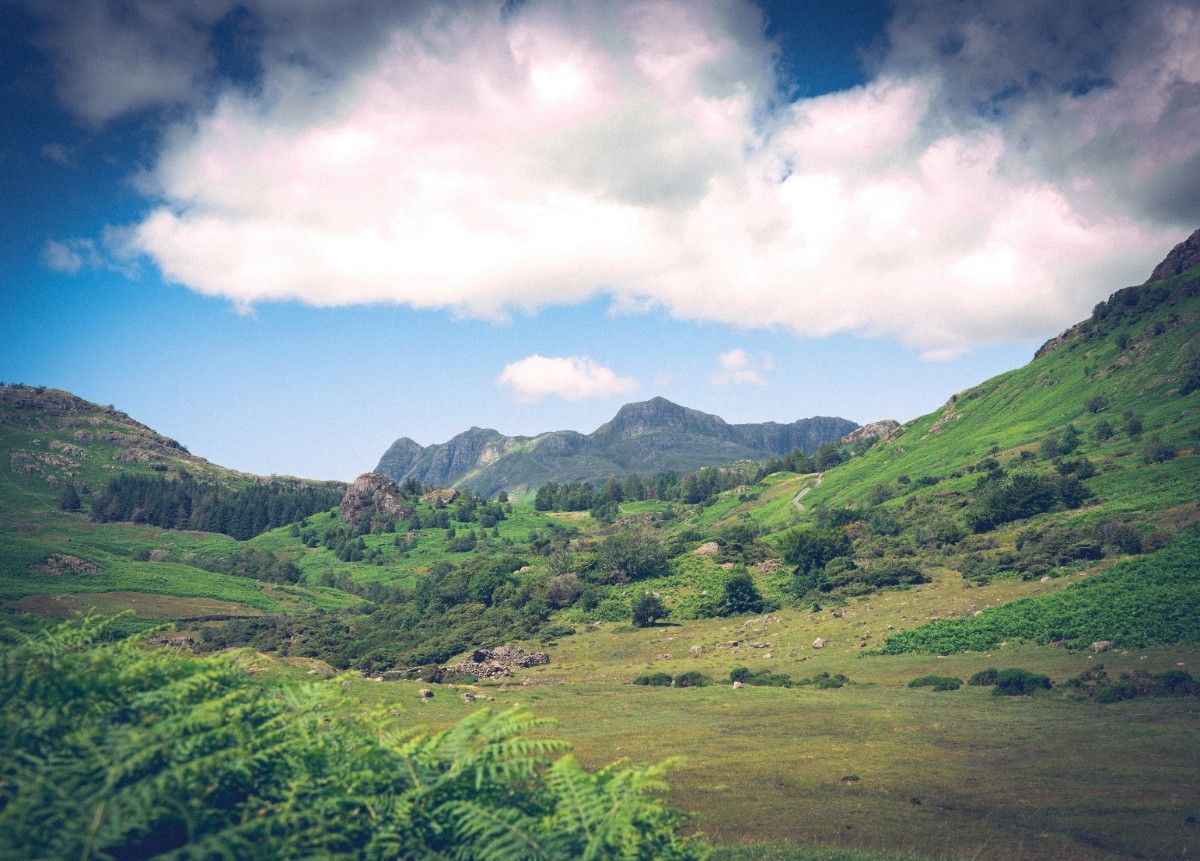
(143, 604)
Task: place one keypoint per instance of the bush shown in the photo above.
(654, 680)
(1103, 430)
(825, 680)
(1014, 681)
(691, 679)
(1095, 404)
(741, 596)
(647, 609)
(938, 683)
(1157, 451)
(985, 678)
(760, 678)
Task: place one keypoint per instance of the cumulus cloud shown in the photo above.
(737, 368)
(1002, 169)
(573, 378)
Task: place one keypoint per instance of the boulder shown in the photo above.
(737, 685)
(819, 643)
(697, 651)
(426, 694)
(64, 563)
(708, 548)
(1101, 645)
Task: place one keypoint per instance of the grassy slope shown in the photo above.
(67, 439)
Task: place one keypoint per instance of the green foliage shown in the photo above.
(741, 596)
(68, 499)
(209, 507)
(825, 680)
(984, 678)
(760, 678)
(1022, 495)
(656, 680)
(938, 683)
(1157, 451)
(630, 554)
(1096, 683)
(119, 750)
(646, 609)
(1151, 599)
(1014, 681)
(691, 679)
(809, 549)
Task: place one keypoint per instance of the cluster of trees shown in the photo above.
(241, 512)
(256, 563)
(700, 486)
(1002, 498)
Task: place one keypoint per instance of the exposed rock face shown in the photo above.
(882, 430)
(373, 496)
(1183, 257)
(646, 437)
(708, 548)
(498, 663)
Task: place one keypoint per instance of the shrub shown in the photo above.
(1103, 430)
(938, 683)
(984, 677)
(647, 609)
(1157, 451)
(1014, 682)
(654, 680)
(825, 680)
(741, 596)
(691, 679)
(1095, 404)
(760, 678)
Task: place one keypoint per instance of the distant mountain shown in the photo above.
(646, 437)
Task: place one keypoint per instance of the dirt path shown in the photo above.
(803, 493)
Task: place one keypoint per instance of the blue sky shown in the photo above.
(835, 203)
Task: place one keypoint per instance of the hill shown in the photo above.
(646, 437)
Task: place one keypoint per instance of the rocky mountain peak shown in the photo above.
(1184, 256)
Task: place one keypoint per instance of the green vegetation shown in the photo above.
(118, 750)
(1096, 683)
(1152, 599)
(938, 683)
(1015, 682)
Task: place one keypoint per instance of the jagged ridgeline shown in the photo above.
(648, 437)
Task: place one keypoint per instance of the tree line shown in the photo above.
(240, 512)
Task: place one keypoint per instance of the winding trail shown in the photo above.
(803, 493)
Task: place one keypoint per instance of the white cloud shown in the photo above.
(573, 378)
(482, 162)
(70, 255)
(737, 368)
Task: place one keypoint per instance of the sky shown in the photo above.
(287, 233)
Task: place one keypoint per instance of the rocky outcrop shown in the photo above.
(63, 564)
(373, 497)
(498, 663)
(882, 431)
(1184, 256)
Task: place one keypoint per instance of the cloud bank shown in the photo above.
(573, 378)
(1001, 170)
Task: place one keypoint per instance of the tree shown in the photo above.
(741, 596)
(647, 609)
(68, 500)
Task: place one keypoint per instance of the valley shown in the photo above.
(1045, 519)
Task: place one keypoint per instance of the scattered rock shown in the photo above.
(664, 657)
(819, 643)
(737, 685)
(468, 697)
(1045, 579)
(837, 614)
(760, 645)
(63, 563)
(498, 663)
(768, 655)
(727, 566)
(708, 548)
(426, 694)
(696, 651)
(851, 778)
(157, 555)
(1101, 645)
(769, 566)
(442, 494)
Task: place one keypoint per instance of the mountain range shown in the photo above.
(646, 437)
